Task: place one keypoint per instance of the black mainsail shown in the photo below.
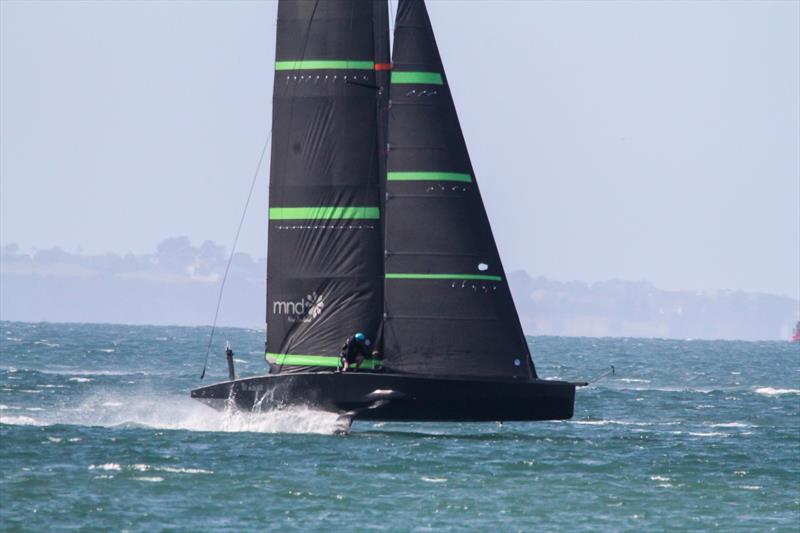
(448, 306)
(376, 224)
(325, 266)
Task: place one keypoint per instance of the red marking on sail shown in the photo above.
(383, 66)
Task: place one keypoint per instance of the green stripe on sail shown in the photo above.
(428, 176)
(319, 64)
(315, 360)
(323, 213)
(482, 277)
(425, 78)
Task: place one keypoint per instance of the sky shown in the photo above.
(651, 141)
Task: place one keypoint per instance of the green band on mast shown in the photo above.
(482, 277)
(324, 213)
(319, 64)
(428, 176)
(424, 78)
(316, 360)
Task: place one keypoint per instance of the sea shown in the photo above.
(97, 432)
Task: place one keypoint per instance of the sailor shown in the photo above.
(354, 351)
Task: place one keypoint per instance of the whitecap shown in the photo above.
(659, 478)
(634, 380)
(750, 487)
(114, 467)
(770, 391)
(179, 470)
(107, 350)
(731, 425)
(150, 479)
(708, 434)
(48, 344)
(434, 479)
(81, 380)
(54, 439)
(3, 407)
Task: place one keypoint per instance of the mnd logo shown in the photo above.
(304, 310)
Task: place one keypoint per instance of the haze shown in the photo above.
(647, 140)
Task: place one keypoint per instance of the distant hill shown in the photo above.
(638, 309)
(178, 284)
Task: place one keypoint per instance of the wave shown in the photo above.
(619, 423)
(72, 371)
(691, 390)
(140, 467)
(157, 411)
(770, 391)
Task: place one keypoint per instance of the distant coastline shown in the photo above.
(177, 284)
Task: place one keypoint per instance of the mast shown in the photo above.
(325, 266)
(448, 308)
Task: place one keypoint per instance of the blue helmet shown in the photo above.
(360, 337)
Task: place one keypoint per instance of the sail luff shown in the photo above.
(448, 307)
(382, 77)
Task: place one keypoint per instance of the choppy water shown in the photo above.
(97, 432)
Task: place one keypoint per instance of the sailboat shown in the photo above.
(376, 225)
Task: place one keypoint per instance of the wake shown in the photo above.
(171, 412)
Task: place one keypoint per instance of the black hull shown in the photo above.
(395, 397)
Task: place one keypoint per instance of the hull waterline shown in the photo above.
(395, 397)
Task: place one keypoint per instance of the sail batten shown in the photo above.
(477, 277)
(420, 78)
(324, 213)
(429, 176)
(324, 64)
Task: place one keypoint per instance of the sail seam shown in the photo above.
(441, 317)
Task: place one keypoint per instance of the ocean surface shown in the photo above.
(97, 431)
